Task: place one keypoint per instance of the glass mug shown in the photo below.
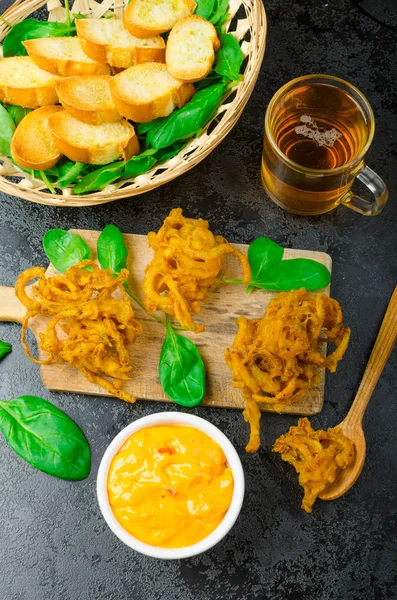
(318, 129)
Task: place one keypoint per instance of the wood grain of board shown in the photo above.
(219, 313)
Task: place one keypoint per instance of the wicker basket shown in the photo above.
(247, 23)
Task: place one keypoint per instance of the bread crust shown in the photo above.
(195, 71)
(145, 111)
(34, 124)
(100, 154)
(117, 56)
(151, 28)
(87, 114)
(27, 96)
(62, 66)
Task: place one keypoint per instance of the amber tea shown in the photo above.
(317, 130)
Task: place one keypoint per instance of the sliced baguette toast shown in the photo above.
(24, 84)
(32, 145)
(107, 41)
(63, 56)
(88, 98)
(144, 18)
(191, 48)
(93, 144)
(146, 92)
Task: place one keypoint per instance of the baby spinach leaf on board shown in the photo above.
(64, 248)
(45, 437)
(113, 253)
(30, 29)
(181, 369)
(111, 249)
(229, 57)
(7, 128)
(262, 253)
(188, 120)
(18, 113)
(220, 12)
(5, 348)
(204, 8)
(270, 272)
(99, 178)
(295, 274)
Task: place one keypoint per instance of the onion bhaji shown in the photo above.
(275, 360)
(187, 260)
(96, 326)
(317, 456)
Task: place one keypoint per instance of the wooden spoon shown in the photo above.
(351, 426)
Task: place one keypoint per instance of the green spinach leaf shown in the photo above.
(64, 248)
(45, 437)
(7, 128)
(4, 349)
(30, 29)
(270, 272)
(113, 253)
(229, 57)
(295, 274)
(111, 249)
(100, 178)
(204, 8)
(219, 14)
(68, 171)
(262, 253)
(142, 128)
(138, 165)
(181, 369)
(185, 122)
(18, 113)
(211, 79)
(164, 154)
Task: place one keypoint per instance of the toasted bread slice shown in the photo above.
(143, 18)
(93, 144)
(107, 41)
(24, 84)
(146, 92)
(191, 48)
(32, 145)
(63, 56)
(88, 98)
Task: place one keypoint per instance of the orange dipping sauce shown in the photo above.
(169, 485)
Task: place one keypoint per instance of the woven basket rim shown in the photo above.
(197, 149)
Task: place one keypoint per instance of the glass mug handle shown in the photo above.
(376, 186)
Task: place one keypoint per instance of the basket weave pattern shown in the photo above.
(249, 30)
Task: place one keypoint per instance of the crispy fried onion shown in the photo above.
(96, 325)
(275, 359)
(187, 260)
(317, 456)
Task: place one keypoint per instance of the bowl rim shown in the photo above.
(233, 461)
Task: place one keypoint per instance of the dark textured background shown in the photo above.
(54, 544)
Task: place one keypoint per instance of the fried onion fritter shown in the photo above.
(317, 456)
(96, 326)
(187, 260)
(275, 360)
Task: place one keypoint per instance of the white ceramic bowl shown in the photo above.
(233, 461)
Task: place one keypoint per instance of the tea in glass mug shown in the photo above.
(318, 129)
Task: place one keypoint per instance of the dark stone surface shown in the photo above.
(54, 544)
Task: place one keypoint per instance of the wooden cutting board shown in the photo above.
(219, 313)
